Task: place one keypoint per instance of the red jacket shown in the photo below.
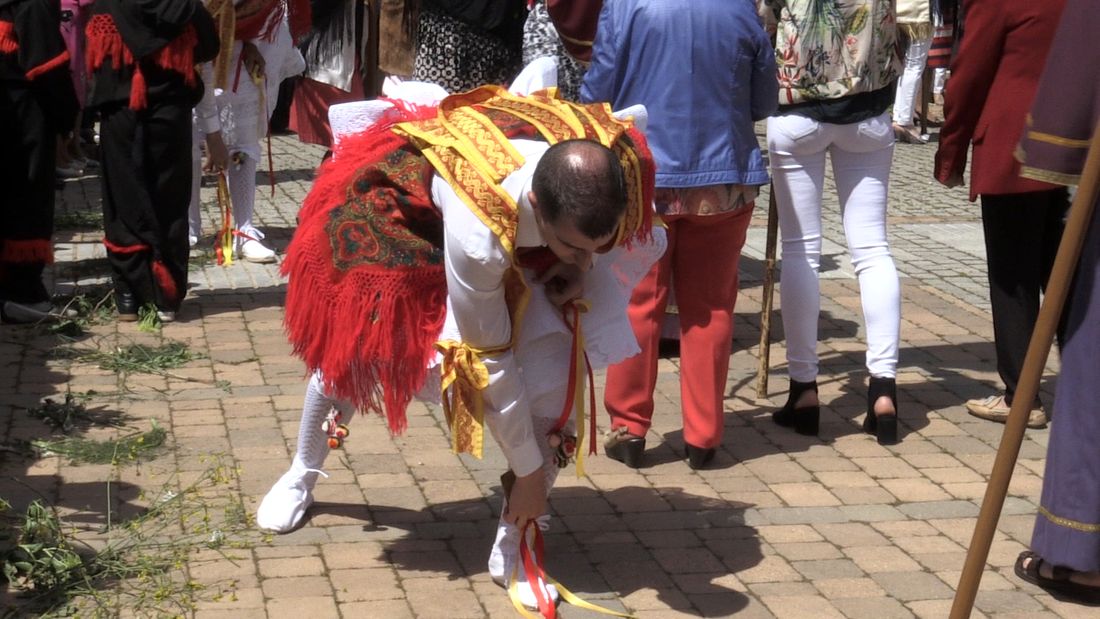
(993, 81)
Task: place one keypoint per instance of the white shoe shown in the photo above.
(503, 559)
(254, 251)
(166, 316)
(192, 241)
(286, 503)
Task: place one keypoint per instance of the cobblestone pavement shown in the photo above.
(781, 526)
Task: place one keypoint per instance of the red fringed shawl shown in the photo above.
(366, 296)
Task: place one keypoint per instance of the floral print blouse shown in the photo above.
(828, 49)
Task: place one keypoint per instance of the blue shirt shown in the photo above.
(705, 71)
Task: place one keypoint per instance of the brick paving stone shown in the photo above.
(908, 586)
(853, 587)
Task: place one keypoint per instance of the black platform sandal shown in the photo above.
(804, 420)
(884, 426)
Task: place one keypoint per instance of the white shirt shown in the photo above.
(477, 314)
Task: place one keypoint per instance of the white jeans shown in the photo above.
(861, 154)
(909, 81)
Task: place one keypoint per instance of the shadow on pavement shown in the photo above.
(601, 544)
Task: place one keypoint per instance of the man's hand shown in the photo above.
(253, 60)
(217, 156)
(564, 282)
(527, 499)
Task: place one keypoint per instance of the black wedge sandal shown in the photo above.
(883, 426)
(804, 420)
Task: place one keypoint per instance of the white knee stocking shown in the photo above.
(242, 189)
(312, 441)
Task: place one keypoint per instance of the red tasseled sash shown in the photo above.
(105, 42)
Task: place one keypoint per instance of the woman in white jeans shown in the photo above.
(823, 111)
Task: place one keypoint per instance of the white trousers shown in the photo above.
(909, 81)
(861, 155)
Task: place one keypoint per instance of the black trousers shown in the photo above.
(1022, 232)
(27, 175)
(146, 163)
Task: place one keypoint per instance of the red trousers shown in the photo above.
(702, 257)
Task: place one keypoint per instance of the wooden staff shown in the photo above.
(1077, 224)
(766, 297)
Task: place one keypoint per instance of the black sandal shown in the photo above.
(884, 426)
(804, 420)
(1059, 583)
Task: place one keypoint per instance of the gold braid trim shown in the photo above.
(1050, 176)
(1056, 140)
(466, 377)
(1085, 527)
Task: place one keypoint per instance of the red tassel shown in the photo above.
(138, 97)
(165, 280)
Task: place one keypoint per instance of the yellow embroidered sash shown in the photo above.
(467, 144)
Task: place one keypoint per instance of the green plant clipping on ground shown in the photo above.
(143, 568)
(127, 448)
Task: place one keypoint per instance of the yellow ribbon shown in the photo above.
(225, 234)
(464, 406)
(566, 594)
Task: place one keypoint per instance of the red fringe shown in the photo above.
(8, 43)
(371, 332)
(165, 280)
(32, 250)
(105, 43)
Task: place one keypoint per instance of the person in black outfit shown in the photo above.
(143, 55)
(37, 103)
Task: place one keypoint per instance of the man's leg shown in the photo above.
(285, 504)
(1018, 263)
(546, 358)
(628, 391)
(706, 298)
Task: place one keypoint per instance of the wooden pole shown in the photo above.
(1061, 276)
(766, 297)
